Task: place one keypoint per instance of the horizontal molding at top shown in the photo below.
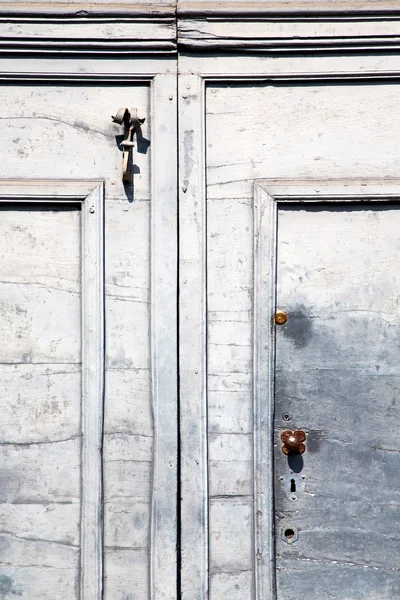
(121, 8)
(230, 9)
(151, 28)
(264, 36)
(116, 36)
(227, 9)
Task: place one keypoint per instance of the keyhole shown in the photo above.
(292, 486)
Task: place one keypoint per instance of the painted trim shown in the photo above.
(94, 47)
(312, 77)
(91, 197)
(81, 78)
(204, 8)
(268, 194)
(164, 527)
(93, 394)
(265, 239)
(298, 45)
(207, 77)
(193, 340)
(230, 9)
(86, 10)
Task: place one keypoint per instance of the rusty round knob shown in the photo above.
(293, 441)
(281, 317)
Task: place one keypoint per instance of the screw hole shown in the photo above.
(289, 533)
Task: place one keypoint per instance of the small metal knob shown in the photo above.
(293, 441)
(281, 317)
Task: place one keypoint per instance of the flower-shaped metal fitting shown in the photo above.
(293, 441)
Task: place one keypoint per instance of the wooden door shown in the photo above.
(88, 445)
(298, 212)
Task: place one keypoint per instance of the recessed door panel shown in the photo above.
(40, 380)
(337, 378)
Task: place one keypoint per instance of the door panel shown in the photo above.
(57, 125)
(40, 378)
(299, 130)
(337, 378)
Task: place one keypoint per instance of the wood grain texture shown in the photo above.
(164, 340)
(192, 353)
(40, 438)
(264, 358)
(51, 397)
(92, 269)
(226, 8)
(199, 8)
(354, 228)
(264, 36)
(323, 149)
(139, 475)
(122, 565)
(42, 126)
(231, 537)
(229, 366)
(100, 8)
(229, 351)
(46, 35)
(297, 146)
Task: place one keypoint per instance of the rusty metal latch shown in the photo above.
(131, 122)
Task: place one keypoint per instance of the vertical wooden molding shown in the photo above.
(265, 228)
(163, 570)
(193, 339)
(92, 394)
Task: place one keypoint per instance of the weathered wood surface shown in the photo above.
(292, 138)
(100, 8)
(285, 35)
(192, 338)
(52, 125)
(299, 131)
(47, 35)
(227, 8)
(67, 132)
(337, 376)
(229, 386)
(200, 8)
(40, 439)
(61, 122)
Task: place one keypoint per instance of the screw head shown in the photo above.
(281, 317)
(286, 416)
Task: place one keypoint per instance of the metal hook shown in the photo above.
(131, 122)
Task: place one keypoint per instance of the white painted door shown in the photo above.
(282, 140)
(88, 475)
